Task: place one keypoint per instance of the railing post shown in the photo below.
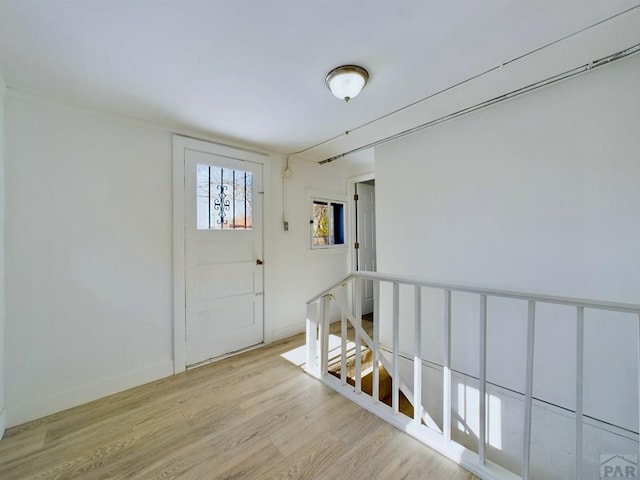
(376, 341)
(446, 369)
(395, 376)
(312, 344)
(343, 349)
(579, 390)
(324, 334)
(528, 396)
(482, 378)
(357, 307)
(417, 357)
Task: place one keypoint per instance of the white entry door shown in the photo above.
(366, 238)
(223, 256)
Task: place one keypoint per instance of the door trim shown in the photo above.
(180, 145)
(351, 188)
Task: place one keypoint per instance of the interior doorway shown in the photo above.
(364, 231)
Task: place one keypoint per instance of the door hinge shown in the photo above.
(356, 245)
(356, 197)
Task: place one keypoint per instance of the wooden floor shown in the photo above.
(253, 416)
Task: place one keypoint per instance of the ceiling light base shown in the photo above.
(347, 81)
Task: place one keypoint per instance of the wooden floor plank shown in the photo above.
(251, 416)
(312, 462)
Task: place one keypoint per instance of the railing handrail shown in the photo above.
(333, 286)
(558, 300)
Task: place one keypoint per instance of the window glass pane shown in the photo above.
(338, 223)
(224, 198)
(321, 224)
(327, 228)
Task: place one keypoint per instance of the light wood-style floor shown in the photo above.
(252, 416)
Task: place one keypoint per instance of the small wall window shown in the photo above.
(327, 224)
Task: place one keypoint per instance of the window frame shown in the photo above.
(327, 198)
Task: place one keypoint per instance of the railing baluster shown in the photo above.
(357, 309)
(528, 396)
(395, 376)
(579, 389)
(482, 378)
(312, 343)
(343, 349)
(376, 340)
(446, 369)
(417, 357)
(324, 334)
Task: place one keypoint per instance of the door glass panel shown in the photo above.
(224, 198)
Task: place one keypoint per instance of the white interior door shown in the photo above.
(223, 255)
(366, 238)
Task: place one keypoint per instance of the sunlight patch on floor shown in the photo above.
(298, 355)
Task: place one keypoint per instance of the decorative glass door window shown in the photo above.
(327, 224)
(224, 198)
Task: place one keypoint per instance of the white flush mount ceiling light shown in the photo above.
(347, 82)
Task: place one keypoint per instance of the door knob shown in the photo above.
(259, 262)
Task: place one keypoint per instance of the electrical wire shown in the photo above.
(501, 98)
(440, 92)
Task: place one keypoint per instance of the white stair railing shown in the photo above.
(346, 296)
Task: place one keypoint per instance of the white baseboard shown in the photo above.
(59, 401)
(3, 422)
(288, 331)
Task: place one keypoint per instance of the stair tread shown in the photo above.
(385, 387)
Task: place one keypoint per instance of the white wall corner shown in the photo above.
(3, 412)
(84, 394)
(179, 354)
(273, 216)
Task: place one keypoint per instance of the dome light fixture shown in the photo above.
(347, 81)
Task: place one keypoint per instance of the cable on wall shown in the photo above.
(286, 175)
(501, 98)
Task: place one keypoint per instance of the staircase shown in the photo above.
(385, 382)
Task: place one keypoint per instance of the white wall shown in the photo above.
(538, 194)
(89, 281)
(2, 261)
(299, 273)
(89, 242)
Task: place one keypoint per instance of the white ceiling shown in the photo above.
(252, 71)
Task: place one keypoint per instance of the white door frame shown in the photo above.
(351, 189)
(180, 145)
